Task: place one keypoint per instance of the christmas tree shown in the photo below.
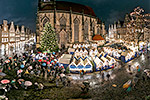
(48, 38)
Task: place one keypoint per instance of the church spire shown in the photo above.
(12, 28)
(119, 25)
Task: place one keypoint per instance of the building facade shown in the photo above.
(134, 28)
(117, 30)
(73, 23)
(13, 37)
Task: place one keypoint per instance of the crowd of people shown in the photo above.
(21, 69)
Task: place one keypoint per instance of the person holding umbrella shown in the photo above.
(21, 82)
(108, 76)
(27, 84)
(22, 65)
(81, 73)
(19, 72)
(13, 83)
(6, 81)
(26, 73)
(103, 77)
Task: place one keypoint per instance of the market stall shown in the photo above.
(97, 64)
(80, 64)
(71, 51)
(65, 59)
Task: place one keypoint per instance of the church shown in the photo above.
(73, 23)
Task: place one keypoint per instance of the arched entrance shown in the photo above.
(63, 39)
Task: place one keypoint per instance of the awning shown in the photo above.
(65, 59)
(98, 37)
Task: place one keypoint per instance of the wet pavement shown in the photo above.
(90, 76)
(118, 74)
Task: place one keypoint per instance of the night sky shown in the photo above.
(23, 12)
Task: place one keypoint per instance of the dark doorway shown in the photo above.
(62, 46)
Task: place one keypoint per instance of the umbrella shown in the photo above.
(19, 71)
(114, 85)
(43, 64)
(33, 55)
(28, 83)
(62, 75)
(27, 72)
(20, 80)
(52, 61)
(48, 62)
(5, 81)
(53, 53)
(129, 89)
(40, 60)
(24, 62)
(61, 64)
(44, 60)
(7, 61)
(2, 74)
(13, 81)
(127, 84)
(22, 66)
(55, 60)
(30, 67)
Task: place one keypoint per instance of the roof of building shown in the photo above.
(99, 21)
(98, 37)
(121, 23)
(66, 6)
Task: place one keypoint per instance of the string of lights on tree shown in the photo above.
(48, 38)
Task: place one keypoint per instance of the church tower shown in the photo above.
(127, 20)
(43, 3)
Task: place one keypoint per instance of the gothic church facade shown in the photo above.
(73, 23)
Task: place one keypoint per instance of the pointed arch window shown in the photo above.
(86, 28)
(76, 30)
(63, 22)
(45, 20)
(98, 30)
(93, 28)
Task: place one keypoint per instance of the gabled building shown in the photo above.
(117, 30)
(27, 34)
(18, 33)
(13, 37)
(22, 36)
(134, 28)
(4, 36)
